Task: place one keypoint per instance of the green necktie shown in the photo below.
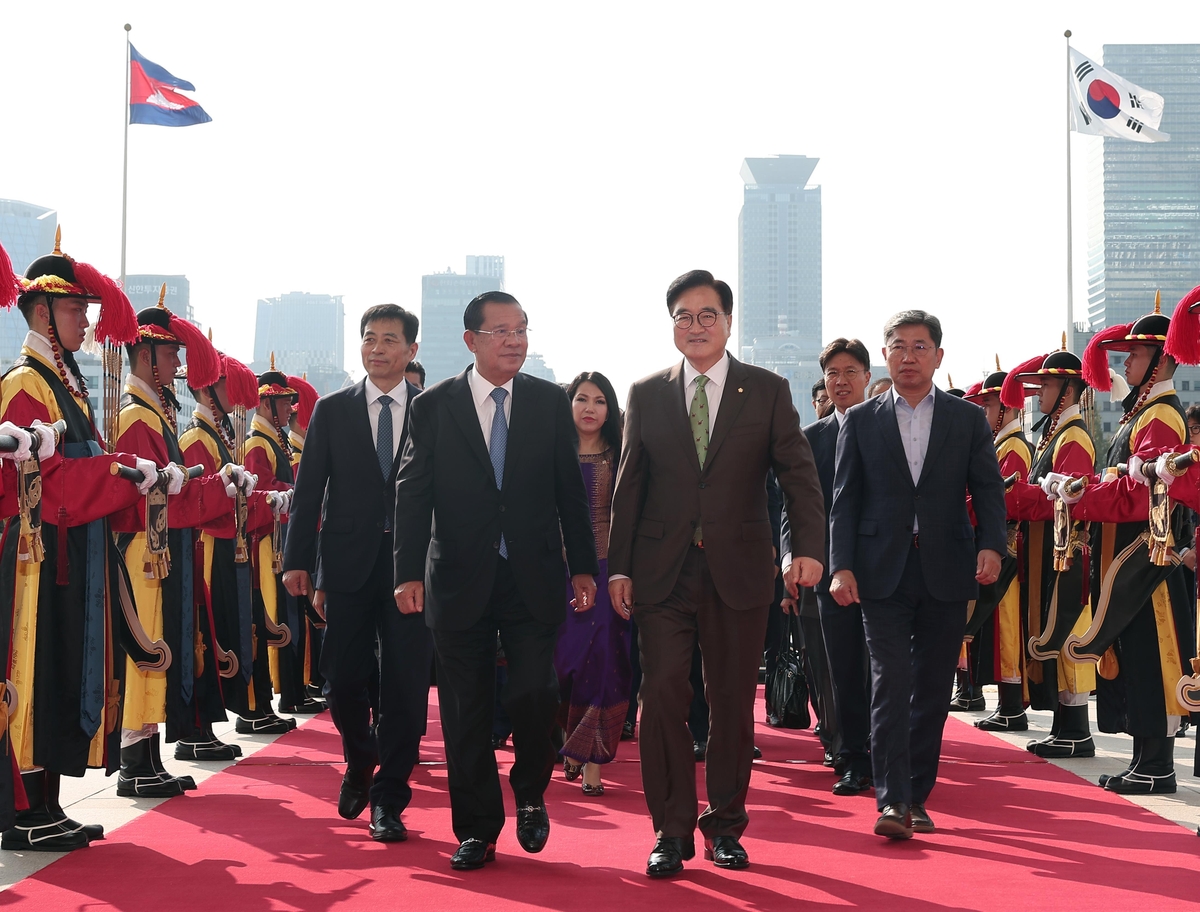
(698, 419)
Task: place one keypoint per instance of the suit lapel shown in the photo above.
(733, 397)
(412, 391)
(938, 429)
(677, 413)
(828, 452)
(360, 421)
(462, 407)
(520, 421)
(885, 414)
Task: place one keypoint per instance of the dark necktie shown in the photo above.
(497, 445)
(384, 445)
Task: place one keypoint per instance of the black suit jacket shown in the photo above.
(341, 500)
(875, 500)
(822, 437)
(450, 515)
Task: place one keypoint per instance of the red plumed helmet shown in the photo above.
(9, 289)
(1012, 393)
(241, 384)
(1095, 356)
(203, 362)
(1183, 338)
(118, 323)
(973, 389)
(308, 399)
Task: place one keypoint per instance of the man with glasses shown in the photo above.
(489, 477)
(903, 548)
(691, 558)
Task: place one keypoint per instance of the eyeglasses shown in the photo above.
(917, 350)
(706, 318)
(849, 375)
(501, 334)
(1194, 428)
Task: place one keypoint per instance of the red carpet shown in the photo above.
(1015, 833)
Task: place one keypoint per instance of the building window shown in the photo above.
(1108, 427)
(1187, 385)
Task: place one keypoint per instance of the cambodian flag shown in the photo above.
(153, 99)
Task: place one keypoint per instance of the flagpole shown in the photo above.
(125, 160)
(1070, 265)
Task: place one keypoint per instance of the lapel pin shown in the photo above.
(740, 390)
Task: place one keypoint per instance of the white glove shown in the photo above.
(281, 502)
(24, 442)
(1070, 498)
(149, 474)
(1160, 468)
(1135, 470)
(1051, 482)
(45, 439)
(176, 478)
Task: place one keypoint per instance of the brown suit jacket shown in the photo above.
(661, 492)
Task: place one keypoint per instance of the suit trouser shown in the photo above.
(466, 679)
(354, 623)
(731, 642)
(849, 669)
(820, 683)
(914, 641)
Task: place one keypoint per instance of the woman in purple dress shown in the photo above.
(592, 656)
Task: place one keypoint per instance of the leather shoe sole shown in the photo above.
(893, 826)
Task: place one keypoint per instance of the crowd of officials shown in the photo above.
(577, 574)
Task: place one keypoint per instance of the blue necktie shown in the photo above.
(497, 446)
(384, 445)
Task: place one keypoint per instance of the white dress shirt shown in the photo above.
(914, 424)
(841, 417)
(717, 375)
(399, 394)
(485, 405)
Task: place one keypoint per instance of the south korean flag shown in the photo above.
(1104, 104)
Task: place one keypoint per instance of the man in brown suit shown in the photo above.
(691, 557)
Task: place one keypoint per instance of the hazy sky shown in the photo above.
(355, 147)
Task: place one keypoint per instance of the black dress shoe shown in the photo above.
(472, 854)
(699, 749)
(828, 759)
(757, 753)
(627, 731)
(726, 852)
(668, 855)
(499, 741)
(852, 783)
(386, 825)
(355, 794)
(921, 822)
(895, 822)
(533, 826)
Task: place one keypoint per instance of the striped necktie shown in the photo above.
(497, 446)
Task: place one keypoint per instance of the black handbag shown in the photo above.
(787, 688)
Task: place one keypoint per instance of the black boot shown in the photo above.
(966, 698)
(1055, 728)
(1133, 761)
(38, 829)
(1153, 772)
(138, 777)
(261, 723)
(1010, 714)
(93, 831)
(206, 747)
(1070, 737)
(187, 783)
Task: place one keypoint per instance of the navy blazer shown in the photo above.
(875, 500)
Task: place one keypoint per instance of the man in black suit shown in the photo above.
(341, 525)
(478, 549)
(902, 545)
(847, 369)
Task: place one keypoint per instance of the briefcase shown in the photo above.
(787, 688)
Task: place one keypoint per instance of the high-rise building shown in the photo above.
(1144, 219)
(779, 271)
(143, 290)
(306, 334)
(444, 297)
(536, 366)
(26, 232)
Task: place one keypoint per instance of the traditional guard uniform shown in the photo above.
(995, 622)
(1057, 556)
(61, 578)
(269, 456)
(226, 589)
(1141, 623)
(314, 625)
(187, 694)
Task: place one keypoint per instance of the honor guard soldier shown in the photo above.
(228, 609)
(158, 541)
(1057, 552)
(1140, 618)
(69, 635)
(998, 649)
(314, 627)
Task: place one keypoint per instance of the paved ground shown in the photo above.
(93, 798)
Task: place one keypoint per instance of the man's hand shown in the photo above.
(844, 588)
(790, 606)
(410, 597)
(620, 593)
(987, 567)
(297, 583)
(318, 603)
(802, 571)
(584, 585)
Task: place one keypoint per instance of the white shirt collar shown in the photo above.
(399, 392)
(481, 389)
(39, 344)
(1068, 413)
(1011, 428)
(896, 397)
(205, 413)
(1161, 388)
(841, 416)
(143, 387)
(715, 374)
